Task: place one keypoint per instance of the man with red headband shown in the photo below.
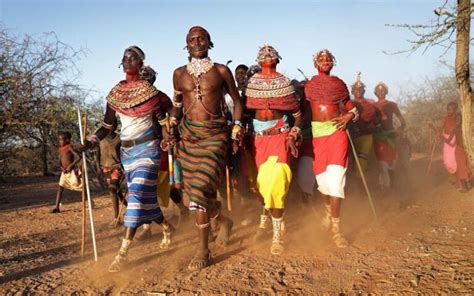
(327, 96)
(272, 96)
(198, 104)
(385, 140)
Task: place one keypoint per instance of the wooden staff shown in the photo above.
(362, 175)
(435, 142)
(227, 181)
(89, 200)
(83, 234)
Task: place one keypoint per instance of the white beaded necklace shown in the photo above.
(198, 67)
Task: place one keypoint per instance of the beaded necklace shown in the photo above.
(197, 68)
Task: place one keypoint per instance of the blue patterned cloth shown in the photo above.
(141, 163)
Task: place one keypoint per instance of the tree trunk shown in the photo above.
(44, 151)
(462, 71)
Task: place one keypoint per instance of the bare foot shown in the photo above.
(225, 228)
(201, 259)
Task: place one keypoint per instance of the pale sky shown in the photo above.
(354, 31)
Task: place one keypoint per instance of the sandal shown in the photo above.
(118, 263)
(167, 233)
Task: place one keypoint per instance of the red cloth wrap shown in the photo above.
(65, 148)
(384, 152)
(332, 149)
(463, 172)
(366, 110)
(326, 90)
(385, 107)
(273, 145)
(449, 123)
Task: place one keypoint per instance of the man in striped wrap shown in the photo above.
(198, 100)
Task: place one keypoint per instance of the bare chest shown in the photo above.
(211, 81)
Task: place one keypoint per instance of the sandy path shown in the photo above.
(425, 247)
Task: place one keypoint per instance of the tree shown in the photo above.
(451, 20)
(39, 96)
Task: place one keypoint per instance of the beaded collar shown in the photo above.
(124, 97)
(198, 67)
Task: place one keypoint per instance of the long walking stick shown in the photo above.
(364, 181)
(83, 232)
(89, 201)
(435, 142)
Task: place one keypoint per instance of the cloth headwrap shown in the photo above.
(326, 89)
(211, 45)
(136, 50)
(267, 50)
(382, 85)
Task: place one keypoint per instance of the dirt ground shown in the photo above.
(421, 243)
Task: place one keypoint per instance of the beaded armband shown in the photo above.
(356, 114)
(297, 114)
(106, 125)
(163, 121)
(176, 103)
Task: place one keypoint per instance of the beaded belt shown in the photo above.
(273, 131)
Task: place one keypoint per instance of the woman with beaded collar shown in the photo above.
(140, 106)
(331, 111)
(273, 98)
